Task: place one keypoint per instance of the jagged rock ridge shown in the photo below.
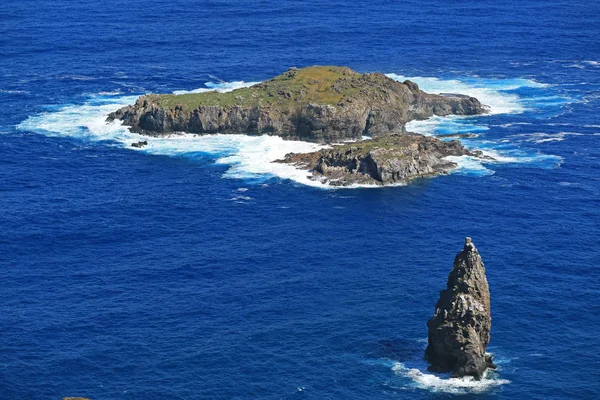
(459, 331)
(317, 104)
(391, 159)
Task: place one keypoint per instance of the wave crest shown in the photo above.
(221, 87)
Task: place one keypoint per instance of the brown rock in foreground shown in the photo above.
(459, 331)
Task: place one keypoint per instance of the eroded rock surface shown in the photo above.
(391, 159)
(459, 331)
(317, 104)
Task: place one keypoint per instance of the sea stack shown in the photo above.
(459, 331)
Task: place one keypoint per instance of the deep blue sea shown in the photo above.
(196, 268)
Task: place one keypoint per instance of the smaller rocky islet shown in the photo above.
(386, 160)
(322, 104)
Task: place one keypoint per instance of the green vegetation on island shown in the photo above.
(317, 104)
(319, 84)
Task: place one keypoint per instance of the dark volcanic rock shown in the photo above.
(139, 144)
(459, 331)
(390, 159)
(317, 104)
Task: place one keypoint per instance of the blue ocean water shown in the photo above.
(197, 269)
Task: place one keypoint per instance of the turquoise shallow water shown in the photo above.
(197, 269)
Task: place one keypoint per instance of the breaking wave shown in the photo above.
(443, 383)
(248, 157)
(496, 94)
(220, 87)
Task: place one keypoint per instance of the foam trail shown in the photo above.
(87, 121)
(221, 87)
(492, 93)
(438, 383)
(445, 125)
(540, 137)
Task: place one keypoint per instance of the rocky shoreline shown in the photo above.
(322, 105)
(387, 160)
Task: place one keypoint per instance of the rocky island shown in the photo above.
(386, 160)
(322, 104)
(459, 331)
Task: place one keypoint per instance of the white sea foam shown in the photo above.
(247, 156)
(592, 63)
(82, 121)
(510, 124)
(113, 93)
(256, 154)
(492, 93)
(540, 137)
(220, 87)
(516, 156)
(241, 198)
(77, 77)
(469, 166)
(444, 384)
(451, 124)
(9, 91)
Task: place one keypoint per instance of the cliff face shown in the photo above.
(459, 331)
(318, 104)
(390, 159)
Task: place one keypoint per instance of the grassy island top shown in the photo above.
(317, 84)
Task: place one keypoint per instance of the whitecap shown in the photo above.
(467, 165)
(241, 198)
(221, 87)
(516, 156)
(492, 93)
(451, 124)
(9, 91)
(511, 124)
(111, 93)
(248, 157)
(540, 137)
(253, 157)
(77, 77)
(569, 184)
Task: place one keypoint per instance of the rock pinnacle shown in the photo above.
(459, 331)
